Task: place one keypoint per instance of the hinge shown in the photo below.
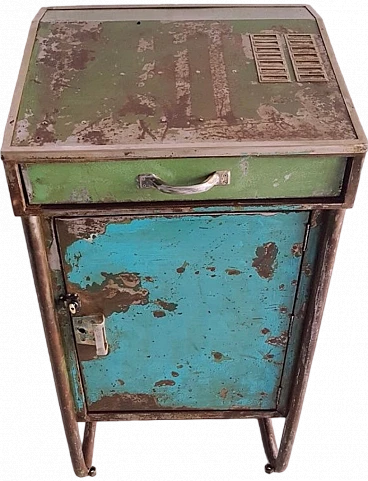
(291, 324)
(278, 396)
(306, 237)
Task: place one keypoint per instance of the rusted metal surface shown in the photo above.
(178, 415)
(15, 187)
(70, 210)
(157, 92)
(265, 259)
(37, 253)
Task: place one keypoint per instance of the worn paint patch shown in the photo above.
(165, 382)
(265, 261)
(168, 306)
(125, 402)
(117, 293)
(297, 249)
(219, 357)
(233, 272)
(279, 340)
(307, 269)
(181, 269)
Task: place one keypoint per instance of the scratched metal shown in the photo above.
(127, 82)
(197, 307)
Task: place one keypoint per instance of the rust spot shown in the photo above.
(212, 269)
(265, 261)
(297, 249)
(223, 393)
(282, 287)
(182, 268)
(265, 330)
(117, 293)
(218, 356)
(174, 374)
(86, 353)
(268, 356)
(294, 282)
(196, 272)
(121, 382)
(307, 270)
(135, 104)
(165, 382)
(283, 309)
(281, 340)
(233, 272)
(125, 402)
(148, 279)
(159, 313)
(168, 306)
(94, 136)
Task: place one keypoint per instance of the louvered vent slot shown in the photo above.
(307, 61)
(270, 59)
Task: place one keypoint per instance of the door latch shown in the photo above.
(90, 331)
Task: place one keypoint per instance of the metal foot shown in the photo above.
(92, 472)
(269, 469)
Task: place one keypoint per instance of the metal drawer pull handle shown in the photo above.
(149, 181)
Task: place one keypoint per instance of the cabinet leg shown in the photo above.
(81, 456)
(278, 459)
(88, 445)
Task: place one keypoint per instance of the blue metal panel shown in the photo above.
(197, 307)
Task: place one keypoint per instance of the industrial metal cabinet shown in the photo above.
(182, 175)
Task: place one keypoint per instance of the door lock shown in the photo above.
(72, 302)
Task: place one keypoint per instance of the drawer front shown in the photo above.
(250, 178)
(197, 308)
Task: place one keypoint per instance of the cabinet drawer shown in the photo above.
(117, 181)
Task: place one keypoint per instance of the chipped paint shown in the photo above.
(182, 74)
(209, 340)
(297, 249)
(233, 272)
(145, 44)
(165, 382)
(167, 306)
(265, 261)
(279, 340)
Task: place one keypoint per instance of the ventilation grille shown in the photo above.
(270, 59)
(307, 61)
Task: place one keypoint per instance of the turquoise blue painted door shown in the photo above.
(197, 307)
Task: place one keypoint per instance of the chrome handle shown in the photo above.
(151, 181)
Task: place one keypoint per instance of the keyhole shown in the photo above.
(82, 330)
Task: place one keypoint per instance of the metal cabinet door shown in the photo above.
(197, 307)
